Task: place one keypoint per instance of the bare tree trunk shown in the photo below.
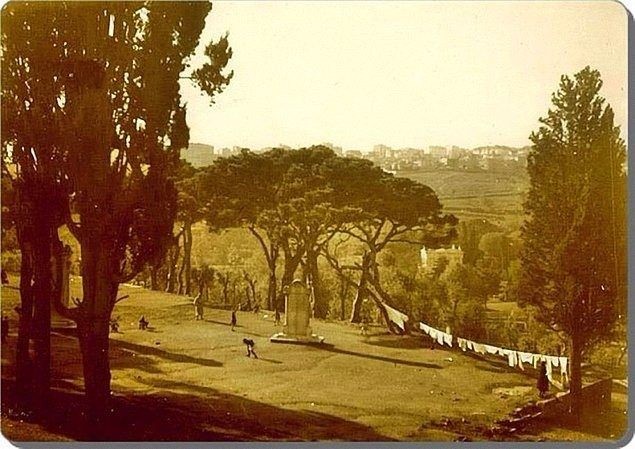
(181, 287)
(320, 302)
(575, 383)
(381, 305)
(271, 252)
(173, 260)
(252, 287)
(272, 288)
(94, 342)
(23, 358)
(362, 290)
(187, 256)
(154, 279)
(291, 263)
(382, 298)
(100, 291)
(356, 312)
(41, 324)
(343, 291)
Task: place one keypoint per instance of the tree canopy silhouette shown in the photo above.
(93, 123)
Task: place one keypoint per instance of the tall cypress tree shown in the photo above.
(574, 257)
(93, 124)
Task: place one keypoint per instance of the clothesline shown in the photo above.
(398, 318)
(514, 358)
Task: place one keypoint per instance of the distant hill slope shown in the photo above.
(199, 154)
(497, 197)
(461, 183)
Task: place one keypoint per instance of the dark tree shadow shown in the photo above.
(397, 342)
(332, 348)
(277, 362)
(190, 413)
(130, 348)
(160, 353)
(497, 364)
(222, 323)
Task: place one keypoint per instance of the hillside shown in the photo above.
(494, 196)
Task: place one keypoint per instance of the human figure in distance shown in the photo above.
(250, 347)
(198, 307)
(143, 323)
(543, 381)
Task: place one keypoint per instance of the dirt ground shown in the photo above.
(187, 380)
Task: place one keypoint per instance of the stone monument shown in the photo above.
(297, 317)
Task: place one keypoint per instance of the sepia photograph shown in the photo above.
(314, 221)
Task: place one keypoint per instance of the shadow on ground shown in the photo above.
(160, 353)
(332, 348)
(188, 413)
(397, 342)
(138, 356)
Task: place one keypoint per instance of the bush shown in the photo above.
(11, 262)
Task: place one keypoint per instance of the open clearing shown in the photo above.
(191, 380)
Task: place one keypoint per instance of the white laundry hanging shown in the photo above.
(398, 318)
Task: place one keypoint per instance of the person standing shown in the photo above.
(277, 317)
(543, 381)
(198, 307)
(234, 320)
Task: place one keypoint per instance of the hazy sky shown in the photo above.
(403, 73)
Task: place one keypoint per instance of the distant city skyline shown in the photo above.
(403, 74)
(425, 148)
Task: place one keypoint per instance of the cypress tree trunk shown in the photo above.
(187, 255)
(100, 291)
(575, 383)
(41, 323)
(154, 278)
(94, 342)
(23, 358)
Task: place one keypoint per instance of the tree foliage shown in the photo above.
(93, 123)
(296, 201)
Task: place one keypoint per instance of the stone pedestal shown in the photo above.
(297, 317)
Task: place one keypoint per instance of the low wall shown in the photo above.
(596, 397)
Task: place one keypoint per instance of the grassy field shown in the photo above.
(191, 380)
